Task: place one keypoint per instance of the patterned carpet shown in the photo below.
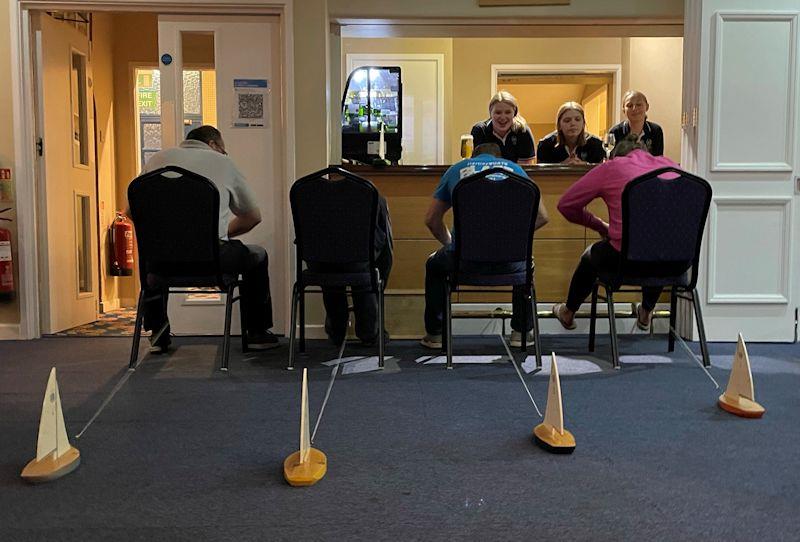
(115, 323)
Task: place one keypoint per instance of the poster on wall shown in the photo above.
(250, 107)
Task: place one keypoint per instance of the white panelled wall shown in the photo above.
(741, 134)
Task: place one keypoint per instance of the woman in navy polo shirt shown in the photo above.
(570, 143)
(635, 106)
(507, 128)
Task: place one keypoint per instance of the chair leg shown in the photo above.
(673, 318)
(612, 324)
(537, 345)
(523, 343)
(242, 320)
(381, 345)
(448, 325)
(701, 329)
(226, 340)
(292, 332)
(137, 331)
(302, 293)
(593, 318)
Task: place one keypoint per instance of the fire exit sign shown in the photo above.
(148, 99)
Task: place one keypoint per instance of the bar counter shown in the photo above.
(408, 191)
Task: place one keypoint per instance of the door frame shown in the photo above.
(386, 59)
(549, 69)
(24, 110)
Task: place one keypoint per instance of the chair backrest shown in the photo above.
(663, 217)
(334, 214)
(176, 215)
(494, 213)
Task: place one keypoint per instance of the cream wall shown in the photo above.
(135, 42)
(103, 78)
(442, 46)
(310, 86)
(9, 310)
(655, 68)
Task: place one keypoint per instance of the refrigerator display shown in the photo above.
(372, 99)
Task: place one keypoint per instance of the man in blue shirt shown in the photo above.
(440, 263)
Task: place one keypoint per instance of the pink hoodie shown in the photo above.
(607, 181)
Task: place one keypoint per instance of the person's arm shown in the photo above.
(477, 135)
(434, 220)
(595, 151)
(526, 148)
(242, 204)
(541, 216)
(244, 222)
(573, 202)
(658, 141)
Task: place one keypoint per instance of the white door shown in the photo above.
(67, 202)
(741, 134)
(246, 54)
(423, 102)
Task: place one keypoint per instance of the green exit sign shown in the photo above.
(148, 99)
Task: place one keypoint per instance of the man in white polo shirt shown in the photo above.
(203, 152)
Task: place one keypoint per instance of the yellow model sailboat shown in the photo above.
(308, 465)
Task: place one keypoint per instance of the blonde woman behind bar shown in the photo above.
(507, 128)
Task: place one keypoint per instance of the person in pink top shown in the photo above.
(630, 160)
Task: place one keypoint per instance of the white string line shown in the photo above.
(514, 363)
(692, 355)
(107, 400)
(330, 385)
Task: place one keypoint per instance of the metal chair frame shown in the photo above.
(687, 292)
(300, 287)
(453, 282)
(227, 287)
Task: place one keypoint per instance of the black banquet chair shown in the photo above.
(493, 223)
(176, 216)
(663, 220)
(335, 213)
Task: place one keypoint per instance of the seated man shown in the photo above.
(365, 304)
(440, 263)
(630, 160)
(203, 152)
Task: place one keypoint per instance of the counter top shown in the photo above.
(534, 171)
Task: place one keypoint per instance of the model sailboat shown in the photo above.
(308, 465)
(739, 397)
(550, 435)
(55, 457)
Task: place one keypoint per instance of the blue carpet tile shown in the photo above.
(416, 452)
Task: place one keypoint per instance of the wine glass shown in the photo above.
(608, 144)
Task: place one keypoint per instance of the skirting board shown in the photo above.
(9, 332)
(547, 326)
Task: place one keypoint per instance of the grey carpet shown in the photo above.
(184, 452)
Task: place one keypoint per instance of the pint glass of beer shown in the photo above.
(466, 146)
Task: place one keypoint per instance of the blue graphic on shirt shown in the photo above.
(471, 166)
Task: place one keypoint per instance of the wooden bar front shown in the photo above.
(408, 191)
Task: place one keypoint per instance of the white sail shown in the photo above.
(554, 414)
(305, 435)
(52, 431)
(740, 382)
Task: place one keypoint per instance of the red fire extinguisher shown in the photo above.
(121, 246)
(6, 263)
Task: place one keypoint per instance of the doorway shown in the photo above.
(541, 95)
(122, 71)
(541, 89)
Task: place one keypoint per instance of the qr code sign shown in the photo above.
(251, 106)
